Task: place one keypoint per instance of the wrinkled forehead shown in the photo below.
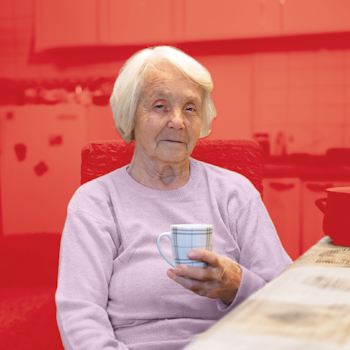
(159, 69)
(156, 73)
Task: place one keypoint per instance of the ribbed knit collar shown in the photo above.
(123, 175)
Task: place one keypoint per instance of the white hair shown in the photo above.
(128, 87)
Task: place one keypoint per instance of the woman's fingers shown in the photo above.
(220, 280)
(198, 287)
(214, 273)
(204, 255)
(196, 273)
(199, 273)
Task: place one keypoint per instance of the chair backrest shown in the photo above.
(241, 156)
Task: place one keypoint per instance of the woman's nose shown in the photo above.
(176, 120)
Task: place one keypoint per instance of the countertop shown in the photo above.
(307, 307)
(306, 172)
(306, 167)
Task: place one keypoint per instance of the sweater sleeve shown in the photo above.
(262, 257)
(88, 248)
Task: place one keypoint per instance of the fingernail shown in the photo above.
(191, 255)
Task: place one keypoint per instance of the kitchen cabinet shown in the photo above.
(315, 16)
(251, 19)
(290, 202)
(221, 19)
(65, 23)
(282, 201)
(39, 165)
(105, 22)
(311, 216)
(74, 23)
(135, 22)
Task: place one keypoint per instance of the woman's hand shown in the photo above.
(219, 281)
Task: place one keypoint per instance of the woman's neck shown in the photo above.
(159, 175)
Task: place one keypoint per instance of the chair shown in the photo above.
(242, 156)
(33, 259)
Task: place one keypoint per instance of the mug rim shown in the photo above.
(191, 225)
(341, 189)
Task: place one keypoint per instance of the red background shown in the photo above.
(280, 67)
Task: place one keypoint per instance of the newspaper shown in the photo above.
(324, 253)
(306, 307)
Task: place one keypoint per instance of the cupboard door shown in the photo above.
(135, 22)
(221, 19)
(311, 216)
(39, 165)
(282, 201)
(68, 23)
(315, 16)
(65, 23)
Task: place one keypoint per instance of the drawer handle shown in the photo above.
(281, 187)
(318, 188)
(321, 204)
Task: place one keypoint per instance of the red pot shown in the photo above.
(336, 209)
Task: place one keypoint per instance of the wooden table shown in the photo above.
(306, 307)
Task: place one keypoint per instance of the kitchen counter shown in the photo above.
(307, 307)
(334, 165)
(306, 172)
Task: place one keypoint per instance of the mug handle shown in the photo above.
(169, 235)
(321, 204)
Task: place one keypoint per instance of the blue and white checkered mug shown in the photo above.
(184, 238)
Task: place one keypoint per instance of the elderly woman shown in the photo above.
(115, 291)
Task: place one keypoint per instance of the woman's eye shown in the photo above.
(191, 109)
(159, 106)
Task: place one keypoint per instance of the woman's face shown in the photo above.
(168, 115)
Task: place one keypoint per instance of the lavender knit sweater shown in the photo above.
(113, 291)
